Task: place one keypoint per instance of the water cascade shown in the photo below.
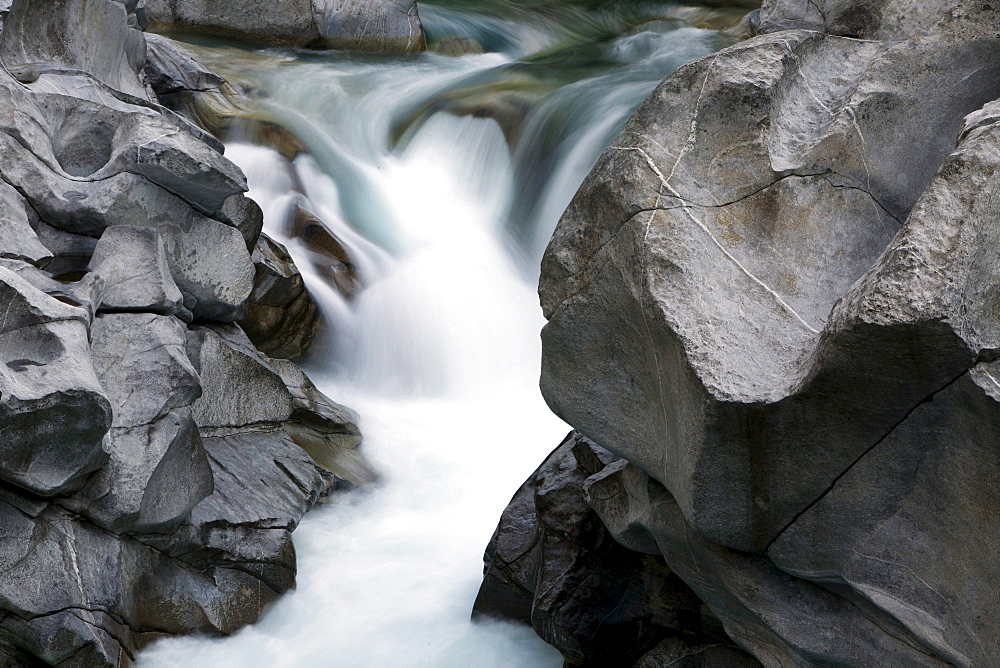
(444, 176)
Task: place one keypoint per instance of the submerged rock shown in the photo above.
(384, 26)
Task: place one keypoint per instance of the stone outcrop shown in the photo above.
(384, 26)
(154, 461)
(774, 298)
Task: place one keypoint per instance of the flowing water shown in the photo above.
(444, 176)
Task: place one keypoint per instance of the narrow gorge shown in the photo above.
(271, 344)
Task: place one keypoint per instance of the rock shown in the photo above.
(70, 253)
(780, 619)
(281, 316)
(19, 239)
(47, 382)
(552, 563)
(774, 299)
(324, 429)
(211, 266)
(696, 286)
(385, 26)
(187, 87)
(145, 492)
(680, 652)
(133, 263)
(158, 470)
(892, 529)
(239, 388)
(329, 255)
(104, 45)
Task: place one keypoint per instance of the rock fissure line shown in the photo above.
(860, 457)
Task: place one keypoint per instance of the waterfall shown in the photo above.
(443, 176)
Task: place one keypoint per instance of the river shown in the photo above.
(444, 174)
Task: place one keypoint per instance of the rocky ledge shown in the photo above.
(154, 461)
(775, 300)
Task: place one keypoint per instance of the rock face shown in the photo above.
(553, 564)
(385, 26)
(775, 298)
(154, 462)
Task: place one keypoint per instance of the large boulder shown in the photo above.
(54, 413)
(695, 278)
(775, 298)
(387, 26)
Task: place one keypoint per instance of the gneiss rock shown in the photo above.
(387, 26)
(552, 563)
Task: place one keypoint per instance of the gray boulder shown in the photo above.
(20, 240)
(107, 43)
(158, 470)
(774, 298)
(387, 26)
(695, 275)
(324, 429)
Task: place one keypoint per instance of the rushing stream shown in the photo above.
(444, 175)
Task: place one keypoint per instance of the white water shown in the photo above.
(439, 354)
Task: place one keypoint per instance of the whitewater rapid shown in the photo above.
(439, 354)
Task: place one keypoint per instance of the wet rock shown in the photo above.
(324, 429)
(385, 26)
(54, 414)
(281, 316)
(133, 263)
(329, 255)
